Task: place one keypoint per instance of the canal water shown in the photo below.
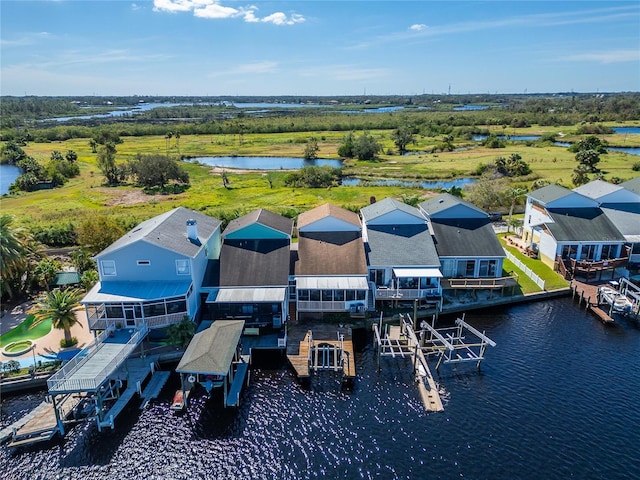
(557, 398)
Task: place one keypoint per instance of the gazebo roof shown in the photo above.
(210, 352)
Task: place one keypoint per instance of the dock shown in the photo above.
(587, 294)
(233, 397)
(39, 425)
(317, 355)
(153, 388)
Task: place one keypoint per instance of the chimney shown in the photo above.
(192, 229)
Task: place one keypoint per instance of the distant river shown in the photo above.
(264, 163)
(557, 398)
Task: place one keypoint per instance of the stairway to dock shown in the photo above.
(153, 389)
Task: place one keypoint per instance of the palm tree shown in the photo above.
(59, 305)
(181, 333)
(13, 254)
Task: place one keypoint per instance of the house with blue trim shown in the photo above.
(250, 280)
(402, 260)
(464, 238)
(329, 267)
(151, 277)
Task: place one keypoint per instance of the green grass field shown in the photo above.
(84, 196)
(25, 332)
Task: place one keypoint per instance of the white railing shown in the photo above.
(406, 293)
(152, 322)
(319, 306)
(282, 342)
(527, 271)
(63, 379)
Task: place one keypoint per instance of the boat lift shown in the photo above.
(449, 343)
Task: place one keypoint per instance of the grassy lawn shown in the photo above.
(552, 280)
(24, 332)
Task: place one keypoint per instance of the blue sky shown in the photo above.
(329, 47)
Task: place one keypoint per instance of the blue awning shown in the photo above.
(114, 292)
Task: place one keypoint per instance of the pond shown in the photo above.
(629, 150)
(627, 130)
(264, 163)
(8, 175)
(429, 185)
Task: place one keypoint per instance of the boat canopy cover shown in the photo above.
(416, 272)
(211, 351)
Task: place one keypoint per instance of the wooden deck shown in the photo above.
(300, 361)
(587, 294)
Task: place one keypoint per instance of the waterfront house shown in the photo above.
(621, 204)
(572, 233)
(464, 238)
(250, 280)
(402, 259)
(152, 275)
(329, 267)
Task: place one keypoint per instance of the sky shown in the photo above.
(317, 48)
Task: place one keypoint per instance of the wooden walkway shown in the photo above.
(587, 294)
(153, 388)
(301, 361)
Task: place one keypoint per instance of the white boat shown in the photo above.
(618, 300)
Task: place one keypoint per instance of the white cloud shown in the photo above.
(213, 9)
(135, 6)
(614, 56)
(417, 27)
(279, 18)
(216, 10)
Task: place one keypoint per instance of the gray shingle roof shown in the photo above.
(549, 193)
(632, 185)
(263, 217)
(401, 245)
(254, 263)
(169, 231)
(386, 206)
(443, 202)
(472, 237)
(582, 225)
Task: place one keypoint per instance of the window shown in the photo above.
(108, 268)
(569, 251)
(608, 252)
(314, 295)
(144, 263)
(470, 268)
(303, 295)
(588, 252)
(487, 268)
(182, 267)
(338, 295)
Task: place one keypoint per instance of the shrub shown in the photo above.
(72, 342)
(636, 167)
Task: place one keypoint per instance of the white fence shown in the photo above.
(527, 271)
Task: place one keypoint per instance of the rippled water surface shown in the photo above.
(557, 398)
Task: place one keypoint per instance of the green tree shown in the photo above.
(59, 305)
(82, 260)
(157, 171)
(580, 175)
(181, 333)
(347, 146)
(589, 159)
(589, 143)
(98, 232)
(46, 270)
(514, 193)
(311, 149)
(94, 145)
(89, 279)
(366, 147)
(402, 136)
(107, 164)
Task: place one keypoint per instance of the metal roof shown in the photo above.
(115, 292)
(66, 278)
(169, 231)
(247, 295)
(632, 185)
(211, 351)
(597, 189)
(626, 218)
(332, 283)
(582, 225)
(401, 245)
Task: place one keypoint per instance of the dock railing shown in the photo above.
(63, 381)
